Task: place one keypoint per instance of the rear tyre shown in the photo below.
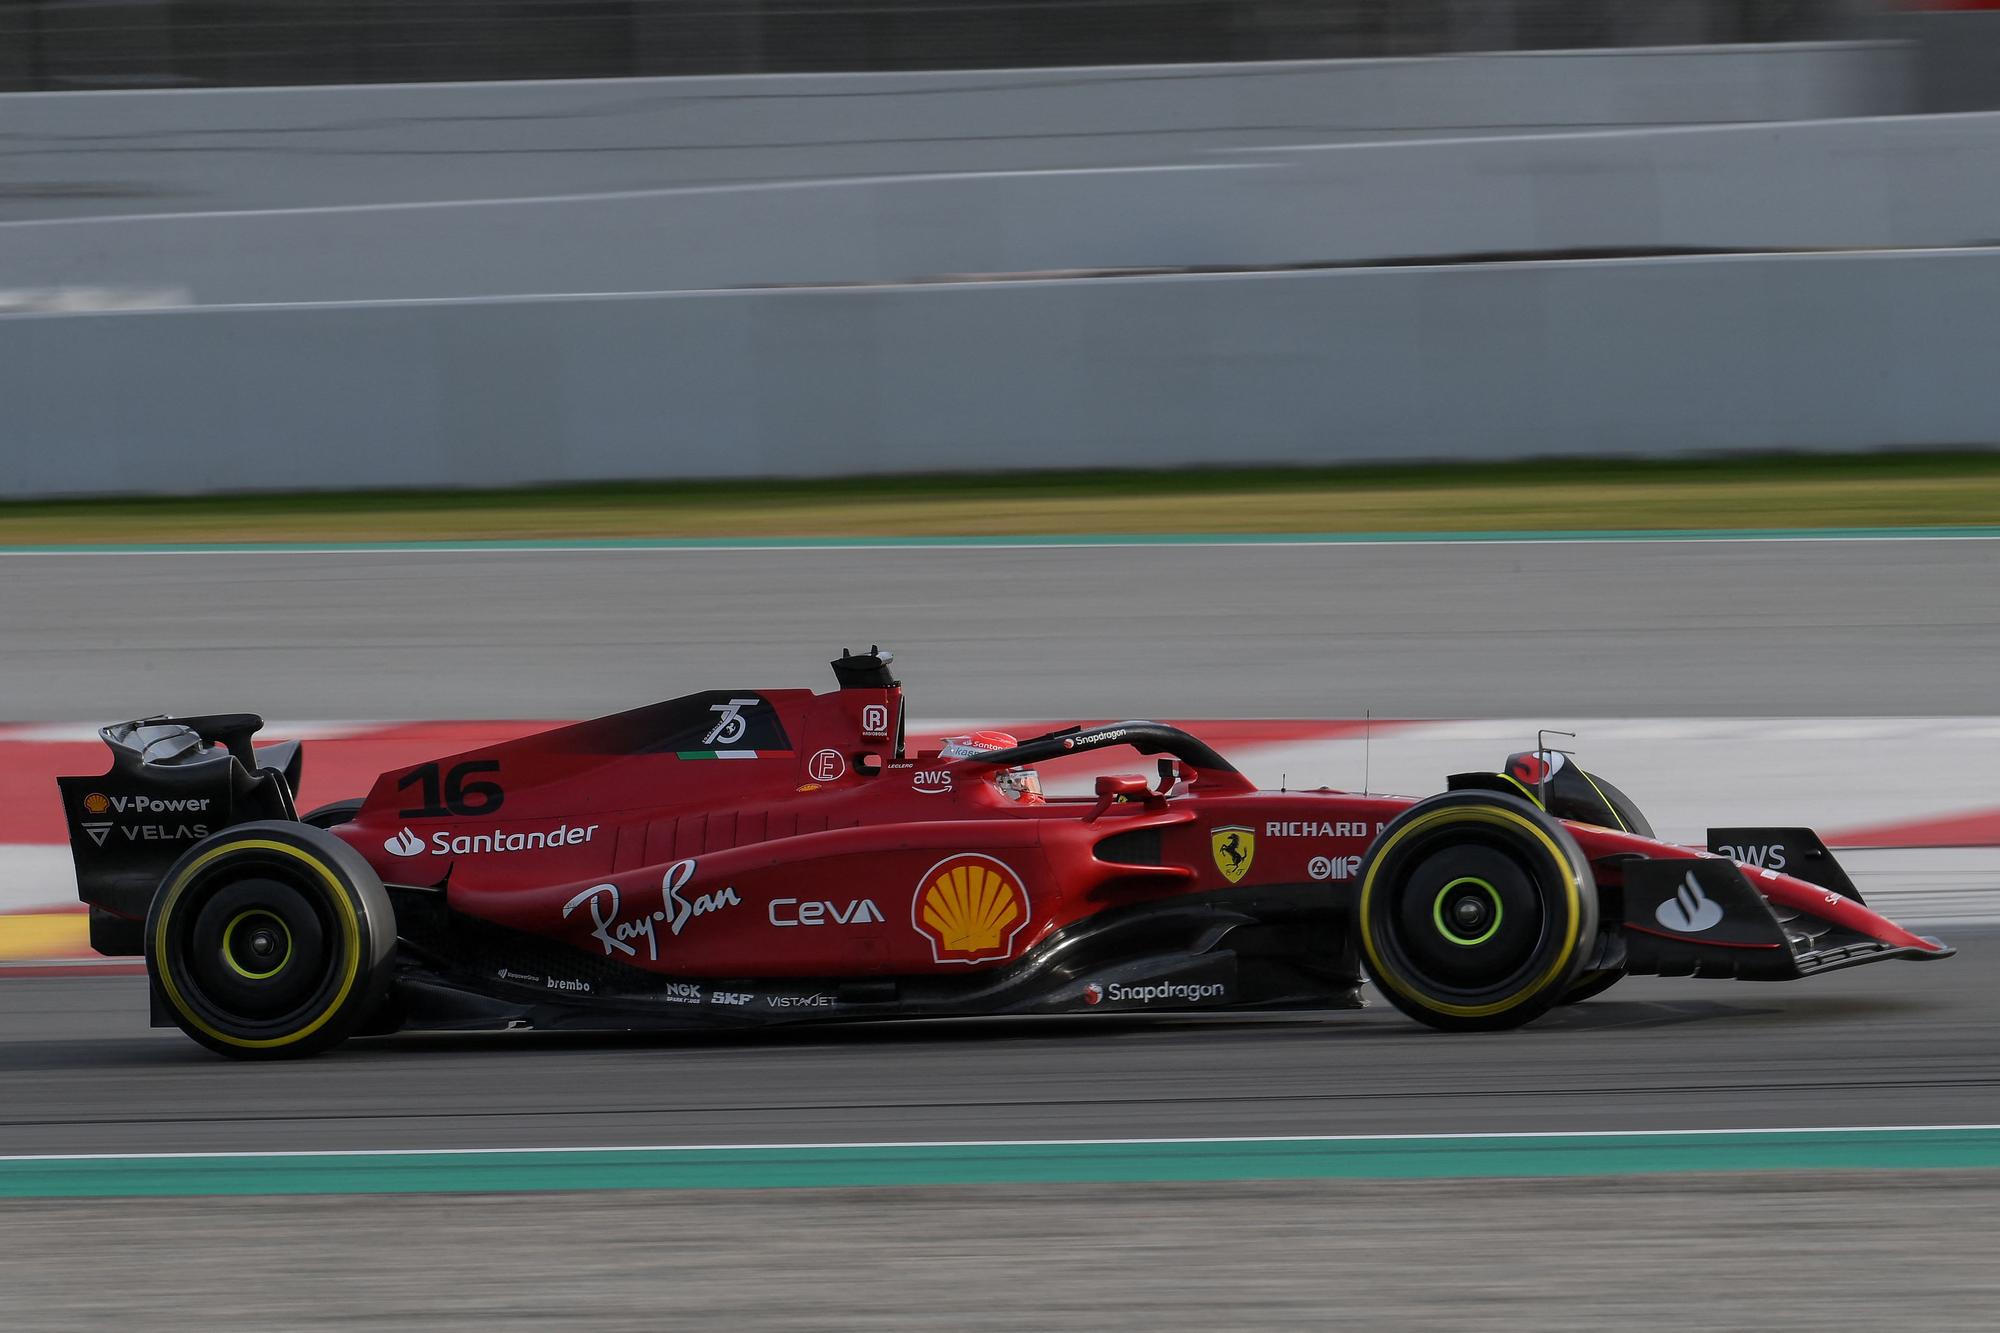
(270, 940)
(334, 813)
(1477, 912)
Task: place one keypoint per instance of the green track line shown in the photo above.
(1108, 1161)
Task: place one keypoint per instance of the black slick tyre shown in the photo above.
(1477, 912)
(1592, 984)
(333, 813)
(270, 940)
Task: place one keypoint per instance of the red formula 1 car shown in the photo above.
(745, 857)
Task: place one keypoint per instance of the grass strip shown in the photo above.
(1781, 492)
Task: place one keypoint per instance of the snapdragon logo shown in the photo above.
(1689, 911)
(1184, 992)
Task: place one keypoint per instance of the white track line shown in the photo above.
(1508, 1135)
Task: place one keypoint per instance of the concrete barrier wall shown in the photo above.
(68, 155)
(1886, 181)
(316, 195)
(1642, 357)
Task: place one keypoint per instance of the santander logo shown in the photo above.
(1689, 911)
(405, 843)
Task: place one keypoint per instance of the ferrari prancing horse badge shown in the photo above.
(1234, 846)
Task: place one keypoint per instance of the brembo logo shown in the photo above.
(1689, 911)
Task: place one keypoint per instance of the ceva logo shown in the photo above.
(405, 843)
(1689, 911)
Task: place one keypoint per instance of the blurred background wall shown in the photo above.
(73, 44)
(231, 287)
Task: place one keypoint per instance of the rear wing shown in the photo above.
(172, 782)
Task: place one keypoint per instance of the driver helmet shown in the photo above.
(1016, 784)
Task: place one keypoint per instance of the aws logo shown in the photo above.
(1770, 856)
(970, 907)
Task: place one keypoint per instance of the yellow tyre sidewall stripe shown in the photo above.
(350, 925)
(1483, 815)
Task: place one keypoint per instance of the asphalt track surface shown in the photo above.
(1705, 628)
(1889, 1044)
(1751, 629)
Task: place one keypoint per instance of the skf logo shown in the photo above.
(1234, 848)
(970, 907)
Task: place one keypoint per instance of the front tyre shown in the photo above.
(1592, 984)
(270, 940)
(1477, 912)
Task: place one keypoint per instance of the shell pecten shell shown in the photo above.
(970, 907)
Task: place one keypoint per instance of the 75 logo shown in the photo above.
(732, 725)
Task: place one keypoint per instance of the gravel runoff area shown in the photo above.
(1776, 1251)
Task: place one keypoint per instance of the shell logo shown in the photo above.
(970, 907)
(96, 803)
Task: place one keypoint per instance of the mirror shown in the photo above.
(1115, 787)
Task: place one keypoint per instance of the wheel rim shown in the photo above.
(1470, 922)
(256, 944)
(253, 948)
(1468, 911)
